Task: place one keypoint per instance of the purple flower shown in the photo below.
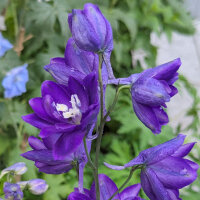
(12, 191)
(5, 45)
(150, 90)
(68, 111)
(163, 169)
(91, 31)
(107, 189)
(15, 81)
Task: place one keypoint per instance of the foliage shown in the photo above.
(39, 31)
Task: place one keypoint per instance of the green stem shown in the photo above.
(125, 182)
(115, 100)
(102, 123)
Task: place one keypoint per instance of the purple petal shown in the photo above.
(174, 172)
(60, 71)
(157, 153)
(35, 143)
(78, 196)
(161, 115)
(115, 167)
(174, 90)
(107, 188)
(166, 71)
(130, 192)
(152, 186)
(67, 144)
(184, 150)
(174, 194)
(83, 61)
(56, 169)
(106, 58)
(192, 164)
(34, 120)
(150, 92)
(147, 116)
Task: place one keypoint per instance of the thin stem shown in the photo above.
(91, 164)
(102, 123)
(115, 100)
(125, 182)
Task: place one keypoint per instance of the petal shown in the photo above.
(150, 92)
(130, 192)
(106, 59)
(147, 116)
(84, 62)
(192, 164)
(34, 120)
(166, 71)
(161, 115)
(56, 169)
(55, 90)
(37, 106)
(61, 71)
(78, 196)
(67, 143)
(35, 143)
(174, 90)
(152, 186)
(184, 150)
(157, 153)
(174, 172)
(174, 194)
(115, 167)
(107, 188)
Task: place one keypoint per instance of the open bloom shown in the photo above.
(12, 191)
(5, 45)
(91, 31)
(14, 82)
(163, 169)
(68, 111)
(150, 90)
(107, 189)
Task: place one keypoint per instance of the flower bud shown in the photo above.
(37, 186)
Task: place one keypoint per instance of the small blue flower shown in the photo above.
(15, 80)
(5, 45)
(12, 191)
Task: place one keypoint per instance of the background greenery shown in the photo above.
(39, 31)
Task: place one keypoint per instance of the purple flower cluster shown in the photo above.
(66, 114)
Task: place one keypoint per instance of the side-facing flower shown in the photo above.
(68, 111)
(107, 189)
(5, 45)
(91, 31)
(164, 170)
(12, 191)
(35, 186)
(17, 169)
(150, 90)
(15, 81)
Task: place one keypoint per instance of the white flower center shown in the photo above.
(73, 112)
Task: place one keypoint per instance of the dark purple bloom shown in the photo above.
(107, 189)
(68, 111)
(150, 90)
(91, 31)
(163, 169)
(12, 191)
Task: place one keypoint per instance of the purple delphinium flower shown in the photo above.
(163, 169)
(68, 111)
(91, 31)
(15, 81)
(12, 191)
(5, 45)
(107, 189)
(150, 90)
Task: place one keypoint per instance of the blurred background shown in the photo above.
(146, 33)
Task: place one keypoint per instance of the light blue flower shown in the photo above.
(5, 45)
(15, 80)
